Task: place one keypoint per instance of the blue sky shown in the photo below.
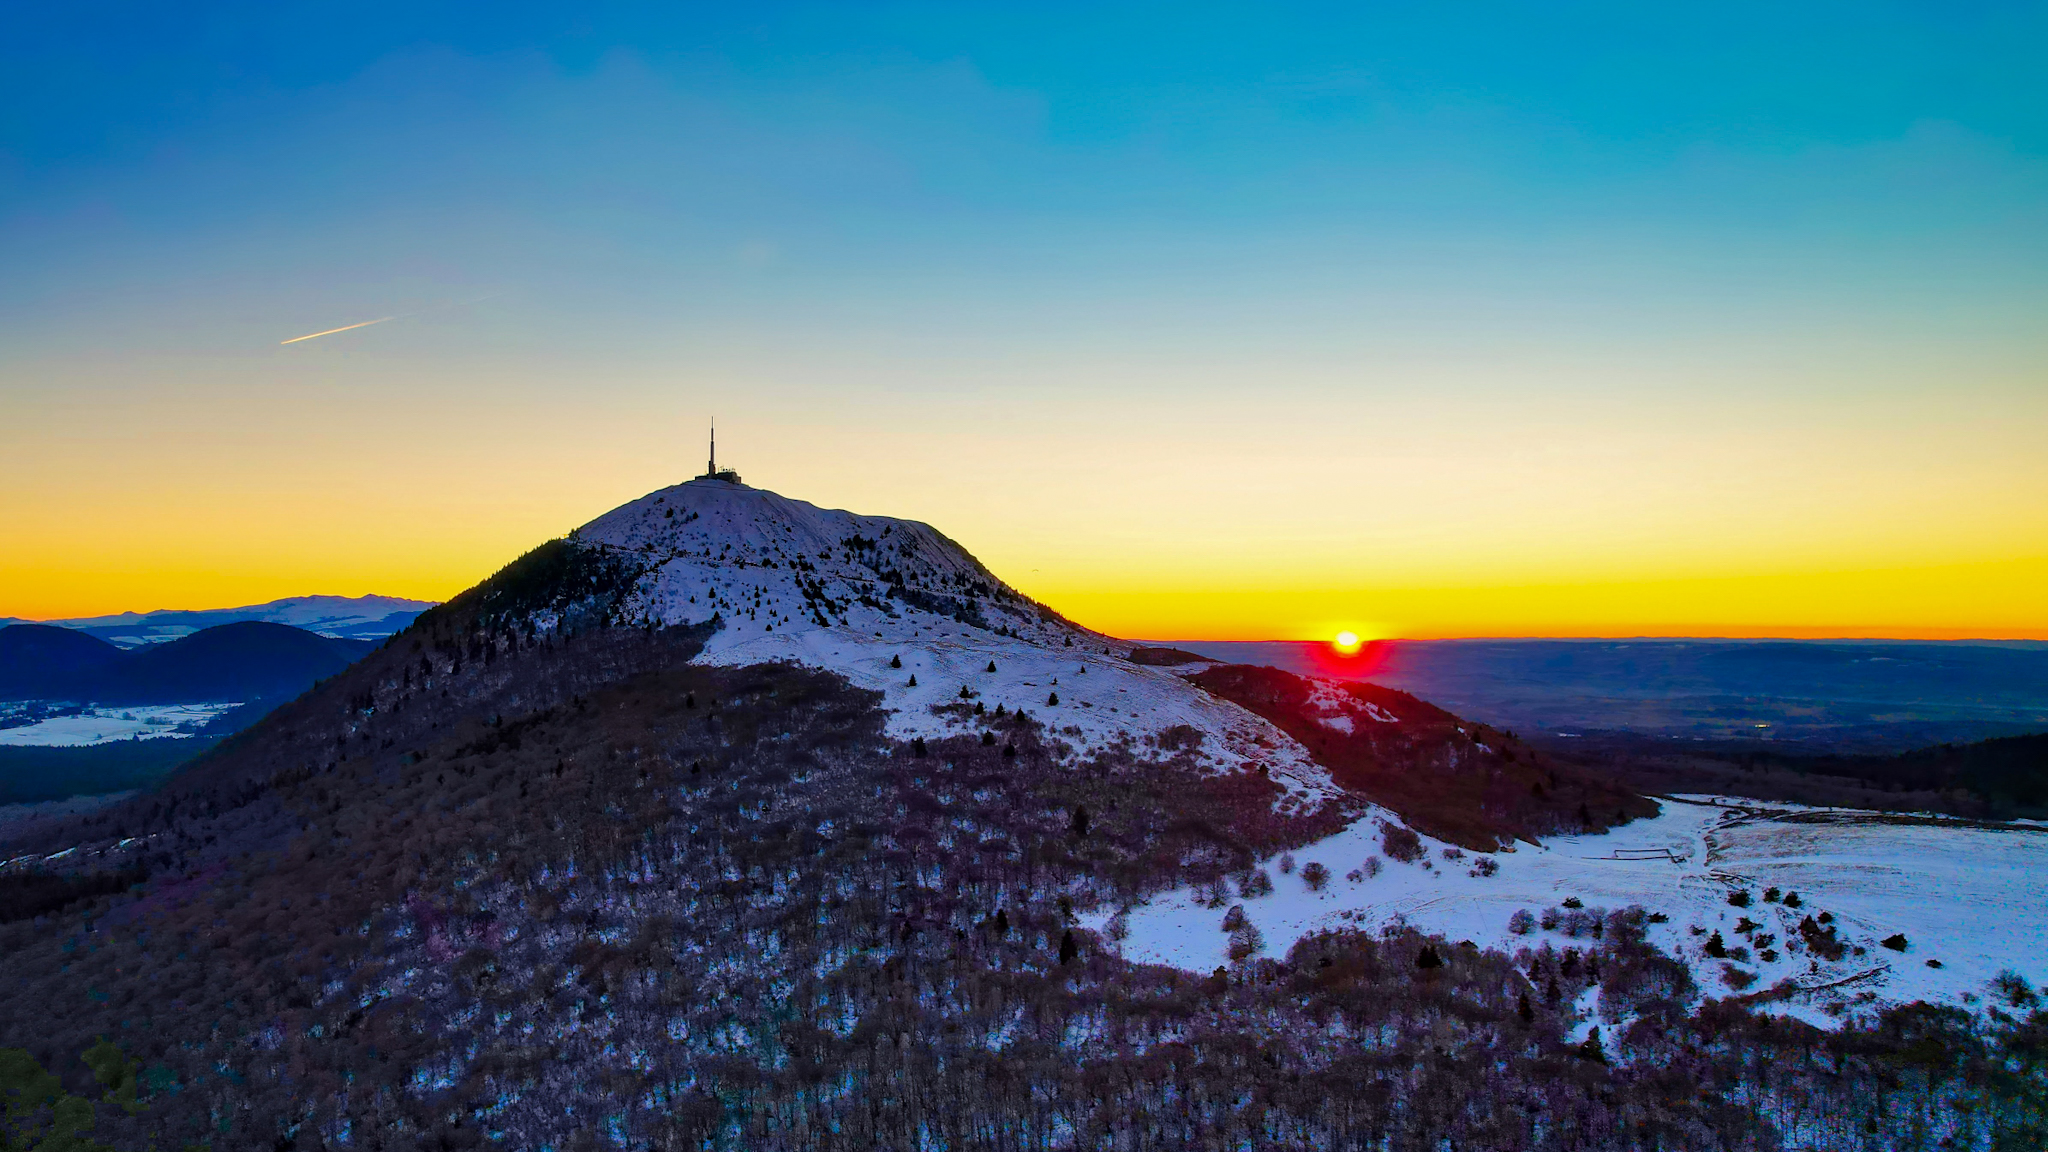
(1638, 235)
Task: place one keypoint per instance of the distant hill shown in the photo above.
(2000, 778)
(1805, 697)
(248, 660)
(35, 656)
(344, 617)
(243, 661)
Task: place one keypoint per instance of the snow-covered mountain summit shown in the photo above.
(765, 563)
(897, 607)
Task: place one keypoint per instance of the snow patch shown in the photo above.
(830, 589)
(91, 726)
(1962, 893)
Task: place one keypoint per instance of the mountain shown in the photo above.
(344, 617)
(34, 657)
(248, 660)
(733, 822)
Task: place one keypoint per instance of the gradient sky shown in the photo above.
(1193, 320)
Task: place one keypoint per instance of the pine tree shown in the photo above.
(895, 661)
(1591, 1049)
(1068, 949)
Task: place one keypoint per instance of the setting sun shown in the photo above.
(1346, 641)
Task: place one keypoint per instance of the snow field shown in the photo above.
(1964, 894)
(104, 725)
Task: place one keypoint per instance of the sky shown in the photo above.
(1194, 321)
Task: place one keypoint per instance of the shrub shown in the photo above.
(1371, 867)
(1521, 922)
(1822, 941)
(1400, 843)
(1246, 942)
(1574, 902)
(1791, 899)
(2010, 986)
(1315, 876)
(1234, 919)
(1287, 863)
(1739, 898)
(1486, 866)
(1896, 941)
(1256, 883)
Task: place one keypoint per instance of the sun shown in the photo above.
(1346, 641)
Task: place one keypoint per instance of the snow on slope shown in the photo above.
(1963, 894)
(851, 593)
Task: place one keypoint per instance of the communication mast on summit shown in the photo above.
(711, 468)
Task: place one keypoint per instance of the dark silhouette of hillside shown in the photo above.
(246, 660)
(31, 773)
(36, 657)
(1454, 779)
(2002, 778)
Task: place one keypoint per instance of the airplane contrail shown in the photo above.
(332, 331)
(400, 316)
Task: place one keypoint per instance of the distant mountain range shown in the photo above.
(344, 617)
